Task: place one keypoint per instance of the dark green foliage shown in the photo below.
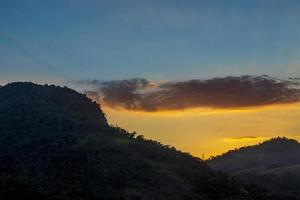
(56, 144)
(274, 164)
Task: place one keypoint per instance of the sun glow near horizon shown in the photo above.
(209, 132)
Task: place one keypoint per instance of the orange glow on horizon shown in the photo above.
(205, 110)
(211, 131)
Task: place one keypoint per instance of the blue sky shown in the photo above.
(158, 40)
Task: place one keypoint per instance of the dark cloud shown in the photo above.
(123, 93)
(228, 92)
(246, 138)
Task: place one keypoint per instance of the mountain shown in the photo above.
(273, 164)
(56, 144)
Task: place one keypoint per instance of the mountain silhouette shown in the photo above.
(56, 144)
(273, 164)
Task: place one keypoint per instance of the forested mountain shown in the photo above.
(56, 144)
(273, 164)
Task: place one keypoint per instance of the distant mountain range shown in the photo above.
(56, 144)
(273, 164)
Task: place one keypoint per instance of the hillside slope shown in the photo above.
(57, 144)
(274, 164)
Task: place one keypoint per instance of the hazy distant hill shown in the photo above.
(56, 144)
(274, 164)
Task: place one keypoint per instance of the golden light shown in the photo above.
(211, 131)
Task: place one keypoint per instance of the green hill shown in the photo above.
(56, 144)
(274, 165)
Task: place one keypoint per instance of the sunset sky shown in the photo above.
(153, 64)
(206, 132)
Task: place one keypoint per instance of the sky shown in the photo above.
(71, 42)
(205, 132)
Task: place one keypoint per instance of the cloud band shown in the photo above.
(227, 92)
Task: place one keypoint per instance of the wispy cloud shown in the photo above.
(227, 92)
(243, 139)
